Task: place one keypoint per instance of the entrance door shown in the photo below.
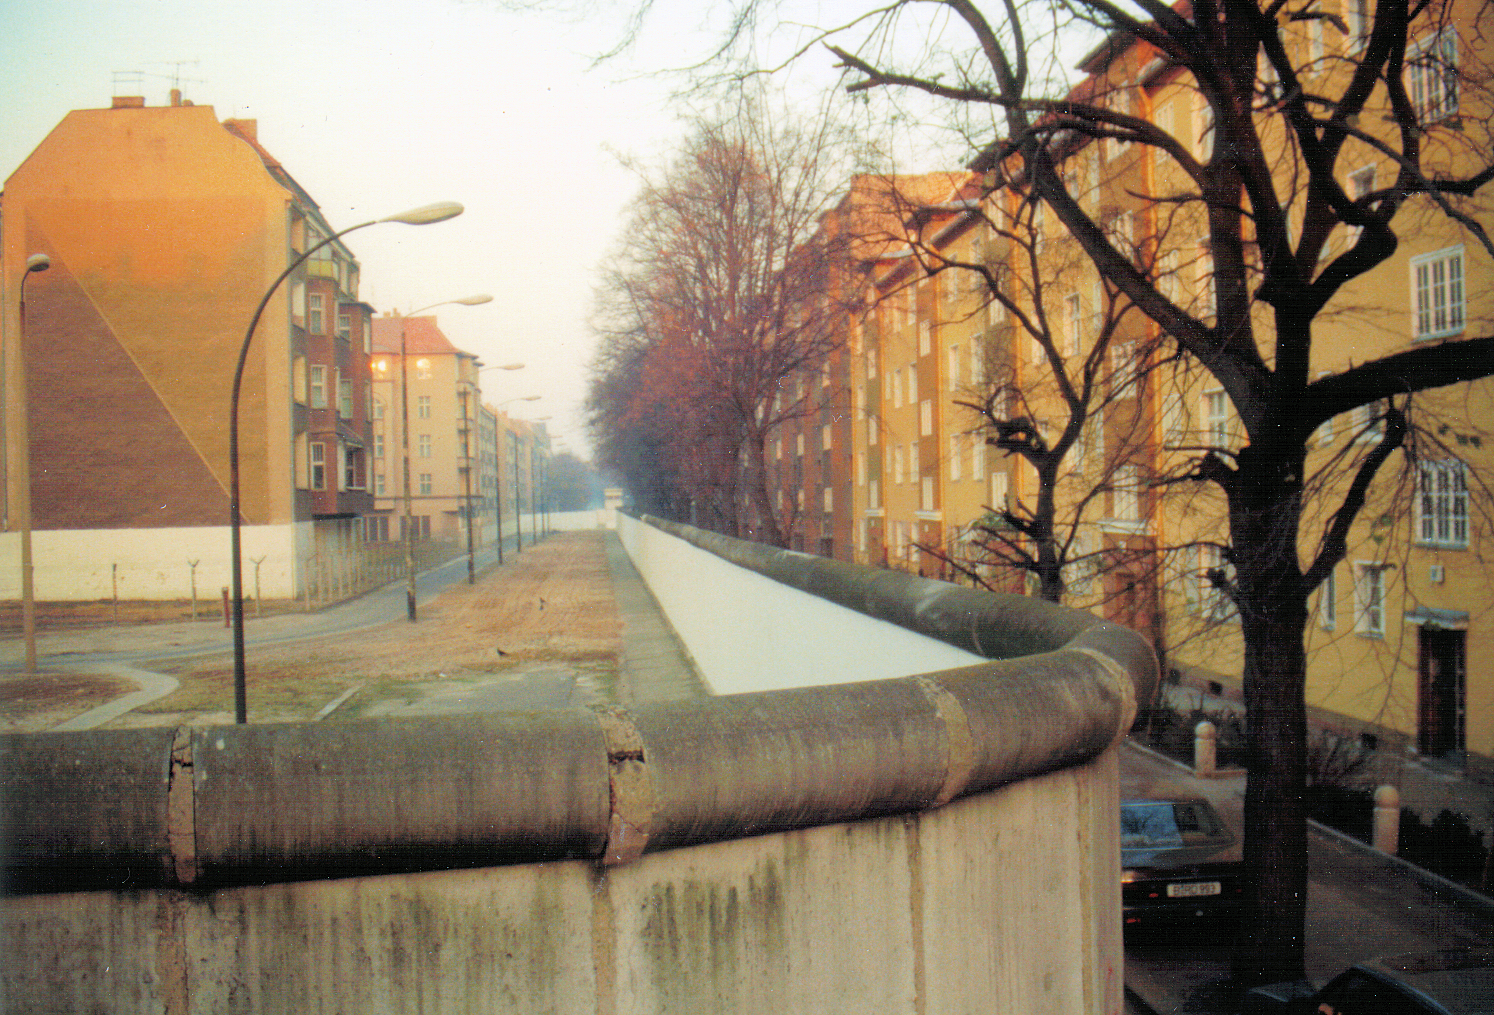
(1440, 699)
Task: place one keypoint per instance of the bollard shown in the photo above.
(1387, 819)
(1205, 744)
(227, 609)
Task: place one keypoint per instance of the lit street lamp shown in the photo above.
(34, 263)
(414, 217)
(404, 397)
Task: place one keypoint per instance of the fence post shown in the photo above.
(1387, 819)
(1205, 748)
(194, 564)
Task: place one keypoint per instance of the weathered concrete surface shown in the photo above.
(940, 842)
(994, 903)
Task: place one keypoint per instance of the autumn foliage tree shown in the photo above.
(717, 296)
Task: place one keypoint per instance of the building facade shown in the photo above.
(164, 227)
(1400, 651)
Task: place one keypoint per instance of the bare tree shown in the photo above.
(1265, 211)
(724, 260)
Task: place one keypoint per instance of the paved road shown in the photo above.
(1360, 904)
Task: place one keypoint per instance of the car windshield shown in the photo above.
(1159, 824)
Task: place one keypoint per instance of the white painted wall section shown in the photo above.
(750, 633)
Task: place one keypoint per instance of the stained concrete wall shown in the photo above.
(945, 842)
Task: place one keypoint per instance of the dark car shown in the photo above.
(1452, 982)
(1181, 867)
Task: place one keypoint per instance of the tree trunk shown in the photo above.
(1265, 506)
(757, 481)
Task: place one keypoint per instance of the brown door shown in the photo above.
(1441, 664)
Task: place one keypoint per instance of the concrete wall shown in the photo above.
(748, 632)
(79, 564)
(945, 842)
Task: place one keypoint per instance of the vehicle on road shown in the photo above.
(1452, 982)
(1182, 867)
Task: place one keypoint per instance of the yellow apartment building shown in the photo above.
(1401, 652)
(419, 376)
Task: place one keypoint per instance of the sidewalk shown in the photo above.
(490, 645)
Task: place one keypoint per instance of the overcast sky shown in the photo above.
(375, 106)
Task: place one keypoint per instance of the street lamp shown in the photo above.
(536, 486)
(425, 215)
(518, 519)
(34, 263)
(497, 476)
(404, 397)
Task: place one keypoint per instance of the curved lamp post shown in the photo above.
(497, 484)
(414, 217)
(518, 520)
(34, 263)
(404, 398)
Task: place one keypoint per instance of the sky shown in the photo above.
(376, 106)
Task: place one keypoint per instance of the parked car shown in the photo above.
(1181, 867)
(1452, 982)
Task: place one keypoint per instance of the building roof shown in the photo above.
(421, 336)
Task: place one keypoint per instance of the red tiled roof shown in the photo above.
(421, 336)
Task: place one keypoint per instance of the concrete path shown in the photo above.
(654, 665)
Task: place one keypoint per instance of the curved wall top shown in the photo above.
(247, 804)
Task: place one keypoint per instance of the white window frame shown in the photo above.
(1328, 601)
(955, 441)
(977, 456)
(1073, 319)
(423, 446)
(1369, 598)
(1216, 417)
(318, 386)
(1442, 504)
(1438, 294)
(1432, 76)
(318, 460)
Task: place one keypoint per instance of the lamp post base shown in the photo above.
(410, 606)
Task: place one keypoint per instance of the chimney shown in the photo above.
(176, 96)
(129, 102)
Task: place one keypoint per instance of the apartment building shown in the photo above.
(1401, 651)
(420, 377)
(164, 228)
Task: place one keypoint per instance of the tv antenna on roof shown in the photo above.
(135, 79)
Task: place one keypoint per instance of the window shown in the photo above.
(1432, 76)
(912, 383)
(378, 410)
(315, 313)
(1369, 422)
(1208, 303)
(1213, 602)
(379, 484)
(1328, 602)
(828, 497)
(1369, 598)
(1361, 184)
(425, 445)
(1437, 291)
(897, 389)
(423, 407)
(378, 445)
(913, 469)
(1125, 496)
(344, 326)
(353, 469)
(1442, 504)
(345, 399)
(954, 455)
(1357, 20)
(954, 368)
(318, 387)
(1216, 418)
(1205, 129)
(318, 466)
(425, 484)
(1073, 324)
(926, 418)
(1174, 418)
(977, 456)
(897, 464)
(825, 437)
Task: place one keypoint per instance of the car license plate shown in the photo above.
(1193, 890)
